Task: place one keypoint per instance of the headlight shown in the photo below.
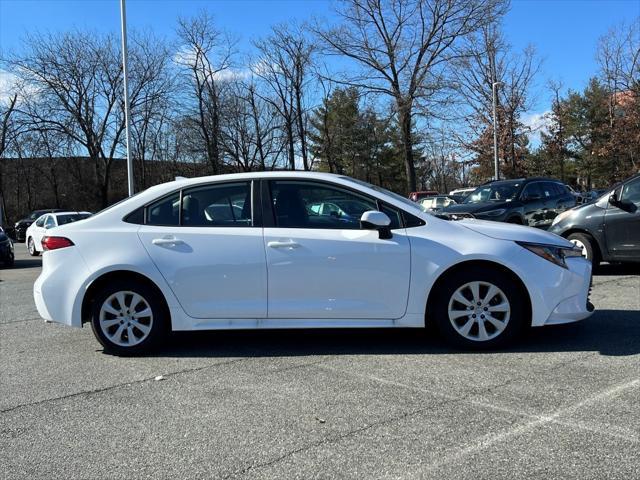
(493, 213)
(552, 253)
(562, 216)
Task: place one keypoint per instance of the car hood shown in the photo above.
(478, 207)
(516, 233)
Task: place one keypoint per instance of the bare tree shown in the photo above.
(402, 47)
(285, 61)
(78, 79)
(206, 55)
(484, 59)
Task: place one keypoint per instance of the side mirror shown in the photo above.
(614, 199)
(375, 220)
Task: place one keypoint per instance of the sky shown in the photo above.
(564, 32)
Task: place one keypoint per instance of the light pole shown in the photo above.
(123, 23)
(495, 131)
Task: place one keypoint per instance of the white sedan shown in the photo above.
(249, 251)
(38, 229)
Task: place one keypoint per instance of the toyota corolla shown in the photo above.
(253, 251)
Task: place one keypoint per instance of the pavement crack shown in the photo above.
(119, 385)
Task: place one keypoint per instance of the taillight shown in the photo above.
(54, 243)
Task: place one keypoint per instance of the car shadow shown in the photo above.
(609, 332)
(26, 263)
(617, 269)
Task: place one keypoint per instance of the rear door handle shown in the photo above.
(290, 244)
(167, 241)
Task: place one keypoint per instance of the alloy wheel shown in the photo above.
(126, 318)
(479, 311)
(581, 246)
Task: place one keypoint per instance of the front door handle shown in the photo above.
(168, 241)
(290, 244)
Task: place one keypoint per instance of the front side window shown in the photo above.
(315, 205)
(531, 191)
(224, 205)
(631, 192)
(165, 212)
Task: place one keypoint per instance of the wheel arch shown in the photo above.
(98, 283)
(487, 264)
(584, 231)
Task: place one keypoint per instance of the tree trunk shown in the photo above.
(292, 155)
(404, 117)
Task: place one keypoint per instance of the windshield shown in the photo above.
(499, 192)
(400, 198)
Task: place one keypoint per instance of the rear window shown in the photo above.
(64, 219)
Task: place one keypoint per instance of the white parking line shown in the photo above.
(536, 420)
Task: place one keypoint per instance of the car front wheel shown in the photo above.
(129, 318)
(31, 245)
(586, 244)
(480, 309)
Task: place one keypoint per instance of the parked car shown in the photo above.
(140, 268)
(437, 203)
(527, 201)
(579, 196)
(593, 195)
(7, 256)
(21, 225)
(417, 196)
(460, 194)
(39, 228)
(608, 229)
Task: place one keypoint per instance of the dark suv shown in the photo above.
(527, 201)
(21, 225)
(609, 228)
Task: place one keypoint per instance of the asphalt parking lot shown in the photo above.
(564, 403)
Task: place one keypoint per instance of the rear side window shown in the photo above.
(40, 221)
(225, 205)
(165, 212)
(49, 222)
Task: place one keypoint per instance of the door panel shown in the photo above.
(336, 273)
(622, 228)
(209, 252)
(533, 207)
(214, 272)
(326, 266)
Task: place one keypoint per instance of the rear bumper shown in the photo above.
(56, 290)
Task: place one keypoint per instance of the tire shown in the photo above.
(462, 321)
(587, 244)
(515, 220)
(9, 261)
(32, 248)
(122, 332)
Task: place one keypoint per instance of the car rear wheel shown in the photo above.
(480, 309)
(129, 318)
(31, 245)
(586, 244)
